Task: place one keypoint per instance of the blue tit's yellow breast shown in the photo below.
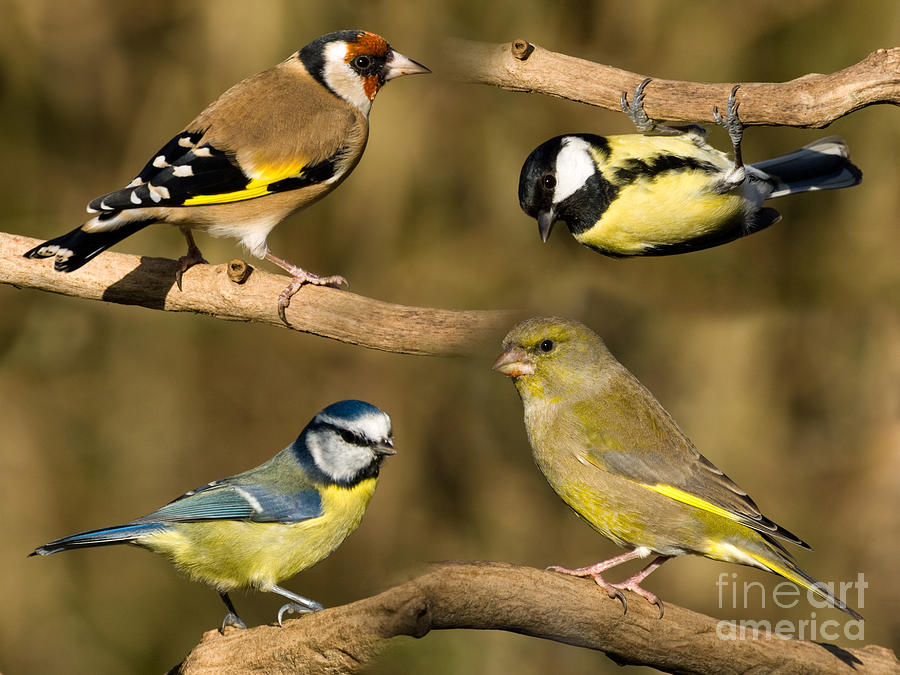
(228, 554)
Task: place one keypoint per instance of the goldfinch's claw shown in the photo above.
(635, 111)
(284, 298)
(232, 619)
(297, 608)
(186, 262)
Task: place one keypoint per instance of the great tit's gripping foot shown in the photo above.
(647, 126)
(735, 128)
(193, 256)
(231, 619)
(300, 277)
(298, 604)
(635, 111)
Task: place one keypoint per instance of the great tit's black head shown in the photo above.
(555, 178)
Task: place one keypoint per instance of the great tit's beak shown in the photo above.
(385, 447)
(513, 361)
(399, 65)
(545, 223)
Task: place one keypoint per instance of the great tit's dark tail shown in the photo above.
(822, 165)
(122, 534)
(75, 248)
(775, 559)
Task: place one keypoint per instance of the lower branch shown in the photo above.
(813, 100)
(524, 600)
(238, 292)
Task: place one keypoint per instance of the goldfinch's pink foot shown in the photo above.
(300, 277)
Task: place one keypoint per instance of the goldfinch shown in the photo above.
(269, 146)
(641, 194)
(263, 525)
(616, 457)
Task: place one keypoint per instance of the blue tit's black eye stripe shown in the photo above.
(634, 169)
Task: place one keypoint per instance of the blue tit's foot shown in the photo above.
(232, 619)
(297, 608)
(298, 603)
(735, 128)
(635, 111)
(300, 277)
(193, 257)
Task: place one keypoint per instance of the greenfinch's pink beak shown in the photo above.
(513, 362)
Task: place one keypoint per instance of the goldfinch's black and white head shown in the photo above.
(345, 443)
(560, 181)
(355, 64)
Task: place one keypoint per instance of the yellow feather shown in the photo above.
(692, 500)
(257, 187)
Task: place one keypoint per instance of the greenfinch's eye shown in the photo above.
(546, 346)
(548, 181)
(362, 62)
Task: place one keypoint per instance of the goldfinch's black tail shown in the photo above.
(822, 165)
(121, 534)
(74, 249)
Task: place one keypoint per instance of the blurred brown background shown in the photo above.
(779, 354)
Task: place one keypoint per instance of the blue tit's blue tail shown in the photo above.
(123, 534)
(75, 248)
(822, 165)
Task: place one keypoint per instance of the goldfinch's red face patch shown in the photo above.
(368, 56)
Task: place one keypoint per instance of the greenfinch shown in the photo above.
(617, 458)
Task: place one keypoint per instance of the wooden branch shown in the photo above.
(523, 600)
(812, 100)
(238, 292)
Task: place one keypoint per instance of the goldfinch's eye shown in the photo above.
(362, 62)
(548, 181)
(546, 346)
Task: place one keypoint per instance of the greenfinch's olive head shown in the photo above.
(553, 355)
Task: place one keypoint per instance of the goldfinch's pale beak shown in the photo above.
(545, 223)
(385, 447)
(514, 362)
(401, 65)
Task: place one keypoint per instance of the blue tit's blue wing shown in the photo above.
(240, 501)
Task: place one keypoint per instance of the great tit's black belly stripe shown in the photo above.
(315, 173)
(584, 207)
(634, 169)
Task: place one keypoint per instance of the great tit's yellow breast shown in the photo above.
(661, 207)
(230, 554)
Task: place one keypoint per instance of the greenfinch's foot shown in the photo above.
(629, 585)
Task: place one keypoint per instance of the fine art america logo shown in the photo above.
(742, 595)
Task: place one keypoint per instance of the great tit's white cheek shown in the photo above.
(574, 166)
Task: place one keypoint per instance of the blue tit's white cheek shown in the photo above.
(338, 460)
(574, 166)
(342, 79)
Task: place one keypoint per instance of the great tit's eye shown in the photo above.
(548, 180)
(362, 62)
(546, 346)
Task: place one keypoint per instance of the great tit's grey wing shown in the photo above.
(640, 441)
(240, 501)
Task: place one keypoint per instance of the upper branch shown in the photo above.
(524, 600)
(812, 100)
(236, 292)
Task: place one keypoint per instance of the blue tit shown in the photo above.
(269, 146)
(258, 527)
(670, 192)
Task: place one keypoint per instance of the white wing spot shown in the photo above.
(183, 171)
(251, 500)
(160, 162)
(185, 142)
(202, 152)
(134, 198)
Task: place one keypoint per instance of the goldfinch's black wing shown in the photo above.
(229, 500)
(640, 441)
(189, 171)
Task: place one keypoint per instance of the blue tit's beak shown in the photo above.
(385, 447)
(399, 65)
(545, 223)
(513, 362)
